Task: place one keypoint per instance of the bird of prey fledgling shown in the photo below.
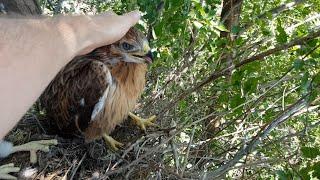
(95, 92)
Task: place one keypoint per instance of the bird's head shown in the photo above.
(133, 47)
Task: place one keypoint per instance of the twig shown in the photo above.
(133, 163)
(300, 104)
(127, 151)
(188, 151)
(275, 12)
(218, 74)
(175, 155)
(77, 167)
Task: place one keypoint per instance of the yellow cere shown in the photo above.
(146, 47)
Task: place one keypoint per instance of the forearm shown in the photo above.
(32, 51)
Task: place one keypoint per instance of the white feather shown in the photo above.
(29, 173)
(108, 92)
(82, 102)
(98, 107)
(6, 148)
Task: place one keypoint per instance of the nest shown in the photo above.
(72, 158)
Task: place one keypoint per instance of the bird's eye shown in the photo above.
(127, 46)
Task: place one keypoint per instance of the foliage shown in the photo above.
(215, 118)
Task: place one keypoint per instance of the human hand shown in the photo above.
(34, 49)
(82, 34)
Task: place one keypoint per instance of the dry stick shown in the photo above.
(218, 74)
(77, 167)
(188, 151)
(257, 163)
(175, 155)
(314, 125)
(135, 162)
(127, 151)
(291, 110)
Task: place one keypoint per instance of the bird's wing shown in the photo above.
(104, 76)
(78, 94)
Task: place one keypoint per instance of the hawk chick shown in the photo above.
(95, 92)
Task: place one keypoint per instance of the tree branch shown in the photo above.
(275, 12)
(291, 110)
(278, 48)
(217, 74)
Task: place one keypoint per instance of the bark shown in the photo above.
(230, 15)
(20, 7)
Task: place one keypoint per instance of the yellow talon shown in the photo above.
(143, 123)
(115, 145)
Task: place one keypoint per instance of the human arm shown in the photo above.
(33, 50)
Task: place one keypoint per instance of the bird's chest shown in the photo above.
(129, 86)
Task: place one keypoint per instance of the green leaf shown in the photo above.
(282, 175)
(281, 36)
(298, 64)
(313, 96)
(316, 170)
(316, 79)
(305, 83)
(235, 29)
(236, 101)
(200, 9)
(310, 152)
(183, 104)
(223, 98)
(250, 85)
(304, 172)
(221, 27)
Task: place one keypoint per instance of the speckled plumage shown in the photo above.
(95, 92)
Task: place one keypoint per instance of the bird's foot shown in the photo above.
(6, 169)
(143, 123)
(34, 146)
(115, 145)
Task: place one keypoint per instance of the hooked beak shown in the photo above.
(148, 57)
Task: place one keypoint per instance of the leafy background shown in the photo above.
(236, 93)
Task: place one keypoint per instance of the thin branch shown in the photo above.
(274, 12)
(218, 74)
(278, 48)
(175, 155)
(188, 151)
(300, 104)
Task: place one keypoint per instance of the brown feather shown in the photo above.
(76, 91)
